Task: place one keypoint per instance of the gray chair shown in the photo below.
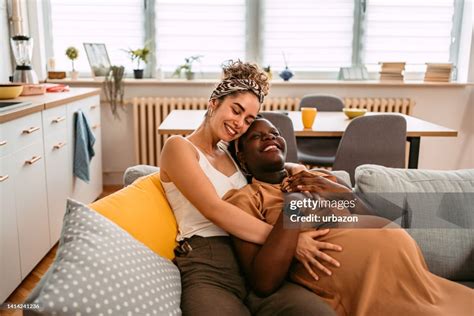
(374, 139)
(319, 151)
(284, 124)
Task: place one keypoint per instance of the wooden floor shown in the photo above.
(24, 289)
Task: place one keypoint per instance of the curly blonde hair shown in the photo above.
(245, 70)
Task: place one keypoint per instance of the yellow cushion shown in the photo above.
(143, 211)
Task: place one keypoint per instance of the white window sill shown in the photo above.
(149, 81)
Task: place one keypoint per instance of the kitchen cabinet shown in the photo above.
(82, 191)
(31, 205)
(36, 178)
(10, 274)
(58, 167)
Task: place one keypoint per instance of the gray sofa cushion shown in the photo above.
(374, 178)
(344, 175)
(440, 205)
(135, 172)
(100, 269)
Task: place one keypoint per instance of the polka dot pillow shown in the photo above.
(101, 270)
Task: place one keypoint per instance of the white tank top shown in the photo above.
(190, 221)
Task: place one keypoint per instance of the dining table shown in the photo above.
(326, 124)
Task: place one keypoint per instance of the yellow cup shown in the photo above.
(308, 115)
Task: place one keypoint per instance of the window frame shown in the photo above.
(254, 42)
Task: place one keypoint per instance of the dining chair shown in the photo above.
(284, 124)
(319, 151)
(374, 139)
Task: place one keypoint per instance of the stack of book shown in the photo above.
(438, 72)
(392, 70)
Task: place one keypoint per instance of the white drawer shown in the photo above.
(94, 114)
(20, 133)
(87, 105)
(55, 142)
(91, 109)
(6, 144)
(54, 120)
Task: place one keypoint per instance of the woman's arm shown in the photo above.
(181, 166)
(294, 168)
(266, 266)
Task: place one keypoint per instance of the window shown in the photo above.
(313, 35)
(117, 23)
(414, 31)
(317, 37)
(214, 29)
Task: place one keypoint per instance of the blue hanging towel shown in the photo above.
(83, 147)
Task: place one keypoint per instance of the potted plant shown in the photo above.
(187, 67)
(72, 53)
(269, 72)
(139, 54)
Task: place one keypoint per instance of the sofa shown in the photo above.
(118, 249)
(446, 238)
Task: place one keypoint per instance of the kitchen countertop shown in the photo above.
(46, 101)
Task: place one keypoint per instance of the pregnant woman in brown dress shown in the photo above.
(382, 271)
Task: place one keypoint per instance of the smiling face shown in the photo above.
(262, 148)
(233, 115)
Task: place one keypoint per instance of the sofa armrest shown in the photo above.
(135, 172)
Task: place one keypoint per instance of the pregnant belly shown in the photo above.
(370, 258)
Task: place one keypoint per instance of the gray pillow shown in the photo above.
(440, 205)
(135, 172)
(100, 269)
(386, 189)
(374, 178)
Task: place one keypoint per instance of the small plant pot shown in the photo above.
(189, 75)
(138, 73)
(74, 75)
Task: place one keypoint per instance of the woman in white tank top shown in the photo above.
(196, 172)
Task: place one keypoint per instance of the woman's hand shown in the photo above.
(294, 168)
(308, 252)
(306, 181)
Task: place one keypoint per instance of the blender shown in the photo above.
(22, 47)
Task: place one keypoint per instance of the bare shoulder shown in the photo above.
(177, 145)
(177, 154)
(175, 140)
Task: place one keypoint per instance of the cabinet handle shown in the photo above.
(30, 130)
(96, 126)
(93, 106)
(33, 160)
(3, 142)
(3, 178)
(59, 119)
(59, 145)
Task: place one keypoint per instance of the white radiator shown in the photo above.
(399, 105)
(149, 112)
